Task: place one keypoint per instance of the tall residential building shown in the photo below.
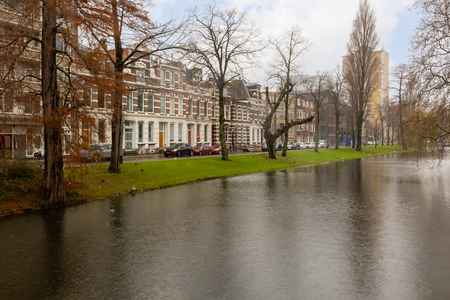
(380, 93)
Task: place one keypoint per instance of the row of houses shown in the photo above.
(166, 102)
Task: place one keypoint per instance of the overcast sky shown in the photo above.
(326, 23)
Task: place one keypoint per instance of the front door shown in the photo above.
(128, 138)
(161, 139)
(20, 146)
(189, 138)
(6, 146)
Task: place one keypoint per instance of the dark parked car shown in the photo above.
(217, 149)
(295, 146)
(96, 153)
(202, 149)
(179, 149)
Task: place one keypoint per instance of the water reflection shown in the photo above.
(363, 229)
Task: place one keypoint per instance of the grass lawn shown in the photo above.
(86, 183)
(158, 174)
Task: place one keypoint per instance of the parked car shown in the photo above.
(251, 148)
(322, 144)
(302, 145)
(202, 149)
(179, 149)
(370, 143)
(264, 147)
(310, 145)
(289, 146)
(295, 146)
(217, 149)
(96, 152)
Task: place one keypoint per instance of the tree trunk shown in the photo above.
(336, 147)
(54, 164)
(223, 144)
(117, 119)
(286, 121)
(317, 117)
(353, 131)
(388, 134)
(116, 125)
(359, 122)
(401, 116)
(271, 148)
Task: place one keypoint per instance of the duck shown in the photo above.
(133, 189)
(112, 209)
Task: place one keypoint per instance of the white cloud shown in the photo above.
(326, 23)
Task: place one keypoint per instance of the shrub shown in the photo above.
(18, 170)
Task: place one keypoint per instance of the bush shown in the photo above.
(18, 170)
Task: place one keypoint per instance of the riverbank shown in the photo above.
(93, 182)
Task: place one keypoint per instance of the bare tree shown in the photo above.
(290, 48)
(381, 109)
(270, 136)
(117, 23)
(336, 90)
(317, 87)
(225, 44)
(362, 63)
(400, 74)
(430, 47)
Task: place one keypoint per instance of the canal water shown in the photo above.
(372, 228)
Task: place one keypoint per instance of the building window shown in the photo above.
(87, 96)
(180, 106)
(162, 77)
(150, 102)
(59, 43)
(171, 78)
(180, 80)
(140, 132)
(206, 133)
(180, 132)
(172, 105)
(206, 109)
(101, 98)
(101, 131)
(172, 133)
(140, 74)
(130, 101)
(150, 132)
(163, 104)
(140, 101)
(253, 134)
(213, 111)
(227, 112)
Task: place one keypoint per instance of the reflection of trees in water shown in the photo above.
(55, 263)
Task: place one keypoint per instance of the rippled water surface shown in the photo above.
(363, 229)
